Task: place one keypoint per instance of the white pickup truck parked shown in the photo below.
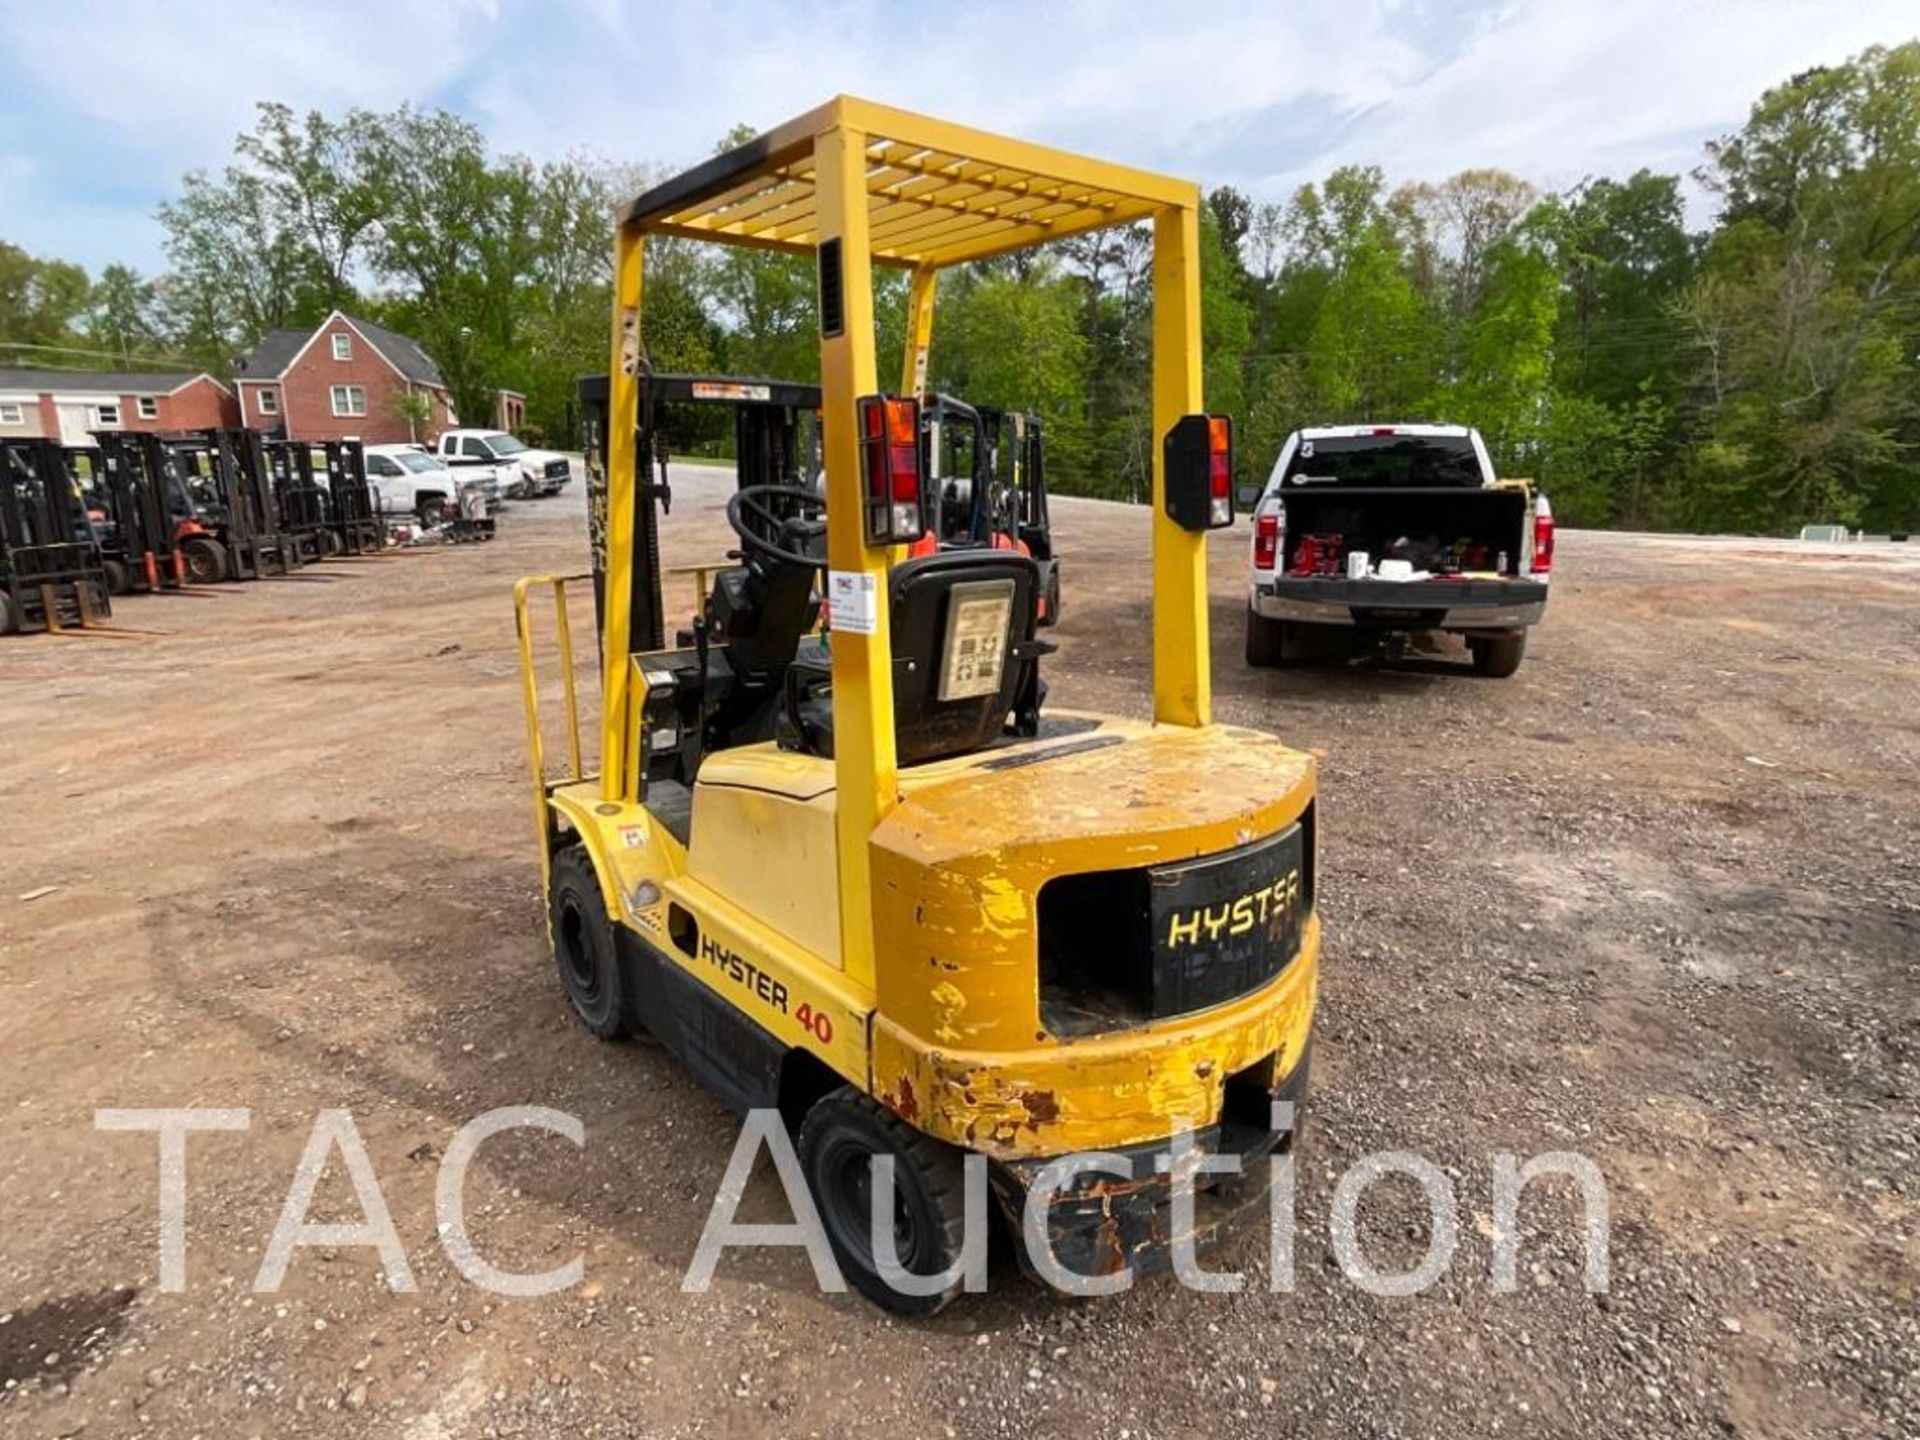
(1397, 529)
(522, 473)
(405, 479)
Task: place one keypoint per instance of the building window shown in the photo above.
(269, 402)
(107, 416)
(12, 415)
(349, 400)
(149, 407)
(343, 347)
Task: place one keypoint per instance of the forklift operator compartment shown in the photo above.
(832, 849)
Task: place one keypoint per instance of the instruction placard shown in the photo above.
(853, 601)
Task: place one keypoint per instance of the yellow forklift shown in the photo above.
(832, 875)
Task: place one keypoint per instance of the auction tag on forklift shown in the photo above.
(853, 601)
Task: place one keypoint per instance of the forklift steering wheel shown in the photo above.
(762, 529)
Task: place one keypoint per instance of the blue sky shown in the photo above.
(104, 106)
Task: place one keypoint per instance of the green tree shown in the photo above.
(121, 314)
(42, 302)
(1045, 371)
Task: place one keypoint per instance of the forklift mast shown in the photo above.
(773, 444)
(49, 555)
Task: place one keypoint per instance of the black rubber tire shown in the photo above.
(205, 560)
(1497, 656)
(119, 578)
(335, 544)
(12, 621)
(1266, 639)
(841, 1128)
(584, 953)
(1053, 596)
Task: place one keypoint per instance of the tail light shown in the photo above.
(1219, 471)
(1198, 472)
(1542, 537)
(1266, 540)
(890, 469)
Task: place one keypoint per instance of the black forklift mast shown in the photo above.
(232, 497)
(50, 561)
(1017, 442)
(299, 499)
(772, 446)
(130, 488)
(953, 518)
(350, 511)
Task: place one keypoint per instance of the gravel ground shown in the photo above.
(1652, 901)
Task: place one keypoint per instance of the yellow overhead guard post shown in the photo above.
(1026, 937)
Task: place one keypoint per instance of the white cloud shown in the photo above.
(1263, 95)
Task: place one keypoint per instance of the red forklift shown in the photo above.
(985, 487)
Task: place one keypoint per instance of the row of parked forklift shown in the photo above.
(132, 512)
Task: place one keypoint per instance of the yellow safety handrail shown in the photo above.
(530, 685)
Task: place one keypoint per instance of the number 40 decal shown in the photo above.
(818, 1021)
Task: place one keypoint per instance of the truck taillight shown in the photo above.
(1266, 540)
(1542, 537)
(890, 469)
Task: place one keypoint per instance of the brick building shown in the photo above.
(341, 381)
(67, 405)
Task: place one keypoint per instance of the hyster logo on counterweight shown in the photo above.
(742, 971)
(1270, 907)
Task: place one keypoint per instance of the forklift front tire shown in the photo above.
(206, 560)
(12, 618)
(841, 1134)
(119, 580)
(583, 945)
(1266, 639)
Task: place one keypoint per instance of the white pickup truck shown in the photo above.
(1397, 529)
(406, 479)
(522, 473)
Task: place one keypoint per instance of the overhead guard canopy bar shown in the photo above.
(936, 193)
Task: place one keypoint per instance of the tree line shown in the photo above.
(1753, 376)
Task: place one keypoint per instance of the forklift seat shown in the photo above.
(923, 593)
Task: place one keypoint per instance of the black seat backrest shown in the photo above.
(975, 607)
(939, 604)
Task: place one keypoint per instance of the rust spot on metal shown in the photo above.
(906, 1105)
(1042, 1107)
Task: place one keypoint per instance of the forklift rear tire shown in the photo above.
(583, 948)
(1053, 597)
(119, 580)
(206, 560)
(838, 1140)
(1497, 656)
(1266, 639)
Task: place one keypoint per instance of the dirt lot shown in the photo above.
(1652, 900)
